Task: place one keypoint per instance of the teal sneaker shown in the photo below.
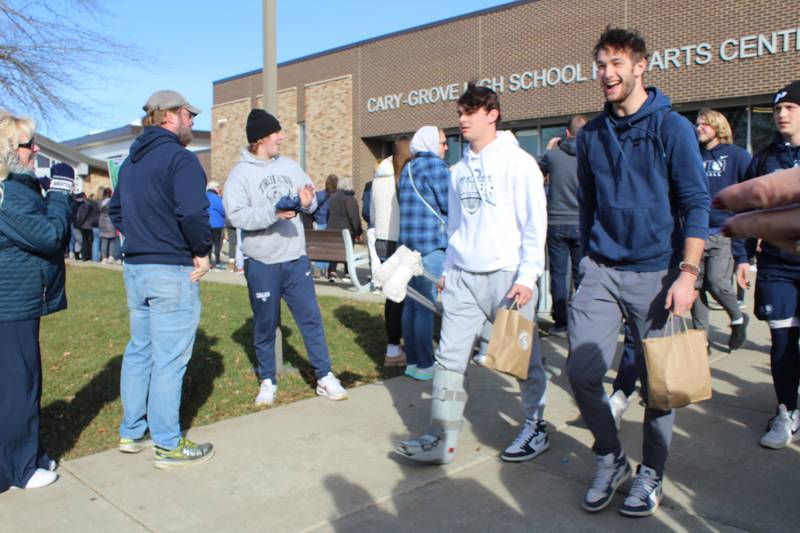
(186, 454)
(135, 445)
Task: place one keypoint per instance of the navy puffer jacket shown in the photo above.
(33, 235)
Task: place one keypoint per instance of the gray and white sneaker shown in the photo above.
(610, 474)
(618, 403)
(782, 429)
(530, 442)
(330, 386)
(266, 392)
(645, 495)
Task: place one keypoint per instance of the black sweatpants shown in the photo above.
(20, 394)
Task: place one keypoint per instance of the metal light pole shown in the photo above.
(269, 74)
(269, 80)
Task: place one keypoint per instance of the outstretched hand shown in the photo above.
(306, 195)
(777, 216)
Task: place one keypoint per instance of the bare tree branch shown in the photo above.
(50, 53)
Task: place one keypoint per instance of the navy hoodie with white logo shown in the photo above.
(642, 187)
(160, 204)
(779, 155)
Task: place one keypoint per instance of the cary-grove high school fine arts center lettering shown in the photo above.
(341, 108)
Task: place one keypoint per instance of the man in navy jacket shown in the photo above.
(161, 209)
(725, 164)
(778, 280)
(644, 219)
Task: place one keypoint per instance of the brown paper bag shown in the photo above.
(677, 368)
(510, 346)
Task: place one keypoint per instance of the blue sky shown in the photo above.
(194, 43)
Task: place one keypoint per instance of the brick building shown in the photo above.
(341, 108)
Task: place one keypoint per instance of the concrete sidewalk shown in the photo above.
(317, 465)
(340, 289)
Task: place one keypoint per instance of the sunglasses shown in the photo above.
(29, 145)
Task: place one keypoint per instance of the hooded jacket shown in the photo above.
(253, 188)
(384, 207)
(561, 164)
(498, 212)
(725, 165)
(642, 187)
(160, 203)
(34, 231)
(778, 155)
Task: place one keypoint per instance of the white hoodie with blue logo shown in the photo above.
(498, 212)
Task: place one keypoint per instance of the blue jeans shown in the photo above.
(562, 242)
(164, 308)
(418, 319)
(96, 245)
(292, 281)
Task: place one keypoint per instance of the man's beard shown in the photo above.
(185, 136)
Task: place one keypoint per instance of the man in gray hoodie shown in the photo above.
(263, 195)
(560, 164)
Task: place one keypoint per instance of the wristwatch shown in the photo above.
(683, 266)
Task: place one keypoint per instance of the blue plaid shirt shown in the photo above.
(420, 229)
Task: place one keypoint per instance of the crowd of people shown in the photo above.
(624, 197)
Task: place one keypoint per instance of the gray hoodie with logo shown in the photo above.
(253, 188)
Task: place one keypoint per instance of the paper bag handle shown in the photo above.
(670, 329)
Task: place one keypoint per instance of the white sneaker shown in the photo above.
(41, 478)
(266, 393)
(331, 387)
(610, 474)
(782, 429)
(531, 441)
(479, 359)
(645, 495)
(619, 403)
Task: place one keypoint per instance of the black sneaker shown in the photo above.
(611, 473)
(646, 493)
(738, 334)
(531, 441)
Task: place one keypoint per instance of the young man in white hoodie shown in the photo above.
(263, 195)
(497, 227)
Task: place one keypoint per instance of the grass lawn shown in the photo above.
(82, 351)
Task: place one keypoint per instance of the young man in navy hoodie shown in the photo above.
(643, 221)
(160, 207)
(778, 280)
(725, 164)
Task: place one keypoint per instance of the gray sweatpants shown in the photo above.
(605, 297)
(717, 274)
(469, 299)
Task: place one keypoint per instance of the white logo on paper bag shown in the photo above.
(523, 340)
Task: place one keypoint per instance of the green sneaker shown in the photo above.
(135, 445)
(186, 454)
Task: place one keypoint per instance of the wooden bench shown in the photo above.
(337, 245)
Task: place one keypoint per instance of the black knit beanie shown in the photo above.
(790, 93)
(260, 124)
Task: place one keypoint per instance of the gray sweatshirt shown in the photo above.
(561, 164)
(253, 188)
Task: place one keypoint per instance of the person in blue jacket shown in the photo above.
(34, 231)
(777, 297)
(644, 206)
(216, 218)
(725, 164)
(161, 209)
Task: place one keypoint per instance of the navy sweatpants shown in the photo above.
(20, 393)
(292, 281)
